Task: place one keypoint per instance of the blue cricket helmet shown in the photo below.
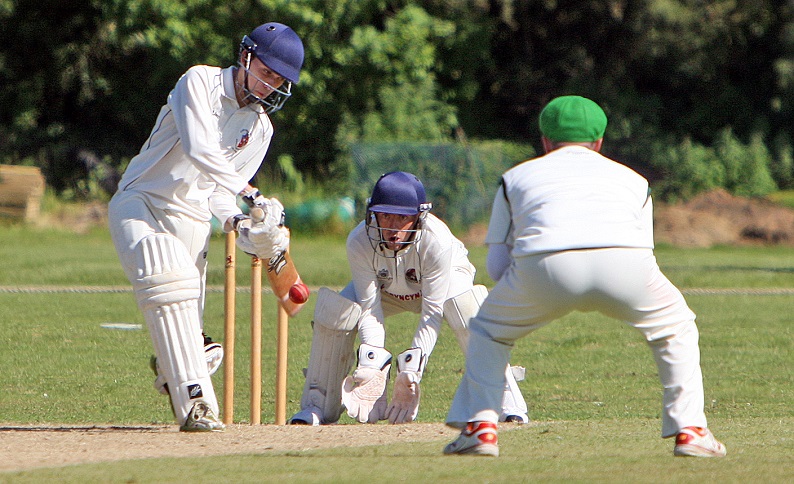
(280, 48)
(399, 193)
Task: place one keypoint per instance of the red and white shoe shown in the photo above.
(697, 442)
(478, 438)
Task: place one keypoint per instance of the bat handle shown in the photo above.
(257, 214)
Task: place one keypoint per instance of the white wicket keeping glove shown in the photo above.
(405, 397)
(213, 353)
(364, 393)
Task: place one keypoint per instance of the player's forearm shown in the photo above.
(498, 260)
(426, 337)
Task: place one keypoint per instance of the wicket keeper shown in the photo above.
(402, 259)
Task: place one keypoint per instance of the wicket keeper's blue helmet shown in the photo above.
(399, 193)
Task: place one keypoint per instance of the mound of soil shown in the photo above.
(719, 218)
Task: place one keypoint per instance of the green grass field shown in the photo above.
(591, 384)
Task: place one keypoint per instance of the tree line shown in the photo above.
(698, 94)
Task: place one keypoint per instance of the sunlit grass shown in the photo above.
(591, 385)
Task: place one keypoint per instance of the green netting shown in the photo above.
(459, 180)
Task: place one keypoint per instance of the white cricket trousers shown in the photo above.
(622, 283)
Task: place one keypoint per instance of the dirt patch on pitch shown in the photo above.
(48, 446)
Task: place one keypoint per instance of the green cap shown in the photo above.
(572, 118)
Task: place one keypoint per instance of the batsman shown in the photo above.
(402, 259)
(208, 141)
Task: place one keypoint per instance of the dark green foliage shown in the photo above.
(690, 168)
(90, 76)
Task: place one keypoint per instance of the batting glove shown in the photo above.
(364, 393)
(405, 398)
(240, 221)
(267, 242)
(263, 242)
(274, 210)
(253, 197)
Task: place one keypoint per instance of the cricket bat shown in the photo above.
(285, 282)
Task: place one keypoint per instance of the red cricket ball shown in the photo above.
(299, 293)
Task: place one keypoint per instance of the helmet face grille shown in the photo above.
(397, 193)
(273, 101)
(380, 244)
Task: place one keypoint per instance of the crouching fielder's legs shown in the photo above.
(168, 289)
(331, 358)
(458, 311)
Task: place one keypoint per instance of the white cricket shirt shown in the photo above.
(418, 280)
(571, 198)
(203, 149)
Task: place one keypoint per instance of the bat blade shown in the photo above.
(282, 275)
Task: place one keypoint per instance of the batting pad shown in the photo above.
(332, 354)
(168, 291)
(166, 272)
(460, 309)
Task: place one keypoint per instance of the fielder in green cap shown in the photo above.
(573, 118)
(572, 230)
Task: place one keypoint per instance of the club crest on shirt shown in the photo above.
(245, 136)
(383, 274)
(410, 275)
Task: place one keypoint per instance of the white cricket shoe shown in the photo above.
(697, 442)
(201, 418)
(310, 415)
(478, 438)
